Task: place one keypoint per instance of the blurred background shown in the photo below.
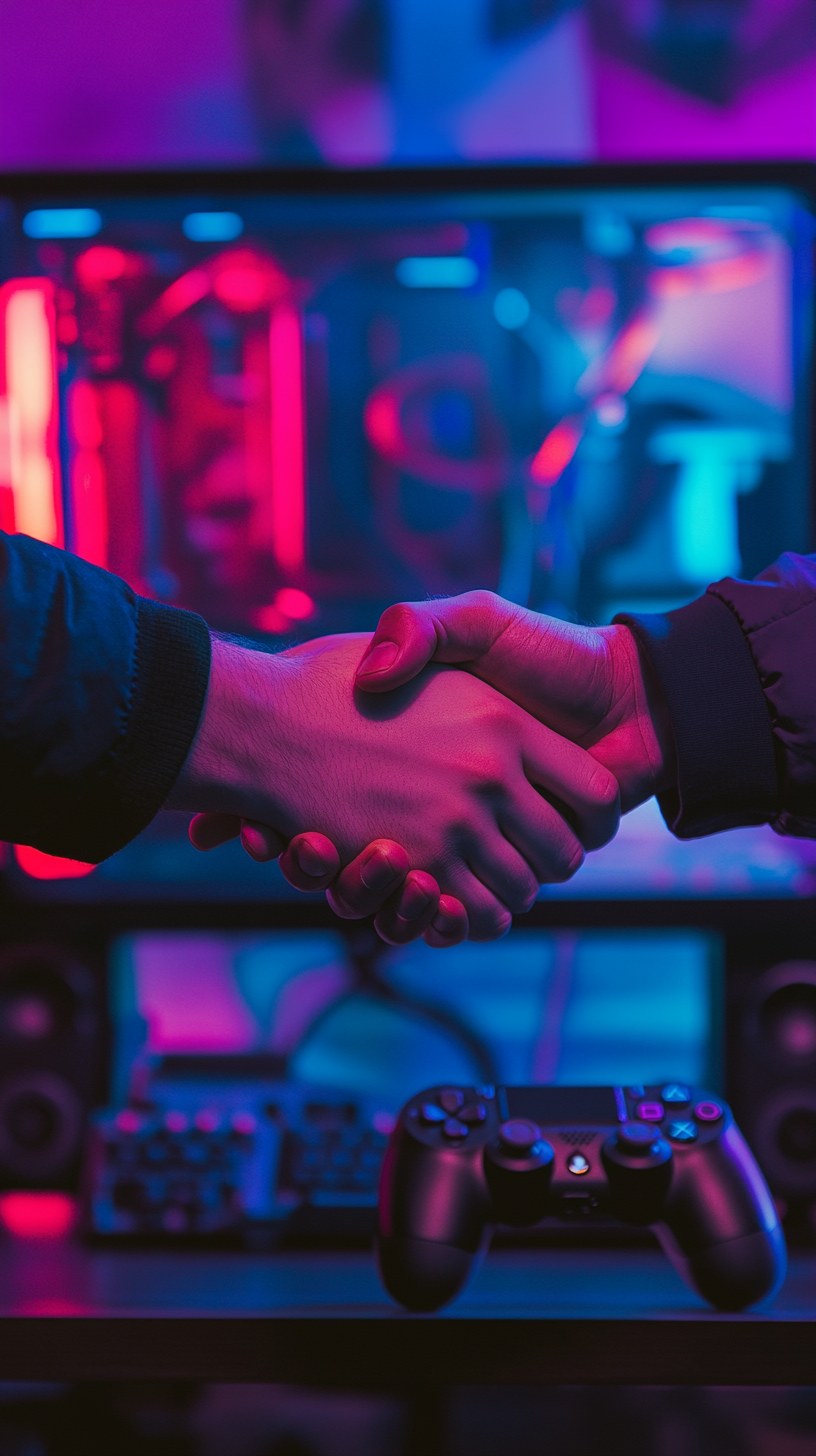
(357, 82)
(594, 398)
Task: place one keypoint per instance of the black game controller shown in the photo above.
(461, 1160)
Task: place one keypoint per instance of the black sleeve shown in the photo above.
(101, 692)
(738, 672)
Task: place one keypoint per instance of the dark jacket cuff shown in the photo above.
(727, 772)
(171, 673)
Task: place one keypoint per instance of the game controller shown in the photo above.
(463, 1159)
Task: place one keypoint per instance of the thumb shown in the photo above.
(410, 635)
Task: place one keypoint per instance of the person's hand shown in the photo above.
(406, 903)
(589, 683)
(444, 767)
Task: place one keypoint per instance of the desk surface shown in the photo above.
(556, 1316)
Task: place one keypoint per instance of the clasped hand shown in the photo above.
(437, 798)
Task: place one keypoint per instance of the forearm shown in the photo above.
(100, 696)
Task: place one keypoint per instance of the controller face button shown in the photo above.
(649, 1111)
(708, 1112)
(454, 1129)
(451, 1100)
(473, 1114)
(676, 1094)
(519, 1137)
(430, 1113)
(577, 1164)
(682, 1132)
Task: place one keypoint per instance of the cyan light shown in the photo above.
(212, 227)
(511, 309)
(62, 222)
(608, 233)
(456, 272)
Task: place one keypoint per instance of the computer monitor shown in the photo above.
(287, 400)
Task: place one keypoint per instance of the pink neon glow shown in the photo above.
(100, 265)
(29, 463)
(190, 288)
(294, 603)
(37, 1215)
(49, 866)
(287, 425)
(89, 503)
(557, 450)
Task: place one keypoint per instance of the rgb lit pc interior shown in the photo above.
(287, 405)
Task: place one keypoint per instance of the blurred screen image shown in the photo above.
(597, 1007)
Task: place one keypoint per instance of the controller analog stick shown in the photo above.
(518, 1166)
(638, 1164)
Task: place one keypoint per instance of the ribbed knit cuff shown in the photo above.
(726, 762)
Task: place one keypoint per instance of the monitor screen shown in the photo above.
(599, 1007)
(287, 407)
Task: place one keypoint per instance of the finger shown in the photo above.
(207, 831)
(488, 917)
(500, 867)
(260, 841)
(364, 885)
(574, 782)
(409, 912)
(310, 861)
(411, 634)
(541, 835)
(449, 926)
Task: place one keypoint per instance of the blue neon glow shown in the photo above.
(62, 222)
(212, 227)
(511, 308)
(456, 272)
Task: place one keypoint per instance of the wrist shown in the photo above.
(220, 773)
(641, 742)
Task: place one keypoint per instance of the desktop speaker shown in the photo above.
(51, 1063)
(774, 1076)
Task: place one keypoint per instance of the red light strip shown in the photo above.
(287, 438)
(29, 461)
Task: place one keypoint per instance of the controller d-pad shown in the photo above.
(682, 1131)
(454, 1130)
(431, 1114)
(451, 1099)
(473, 1114)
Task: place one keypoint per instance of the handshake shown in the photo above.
(436, 774)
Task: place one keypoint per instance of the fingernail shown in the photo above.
(381, 656)
(310, 861)
(377, 872)
(413, 903)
